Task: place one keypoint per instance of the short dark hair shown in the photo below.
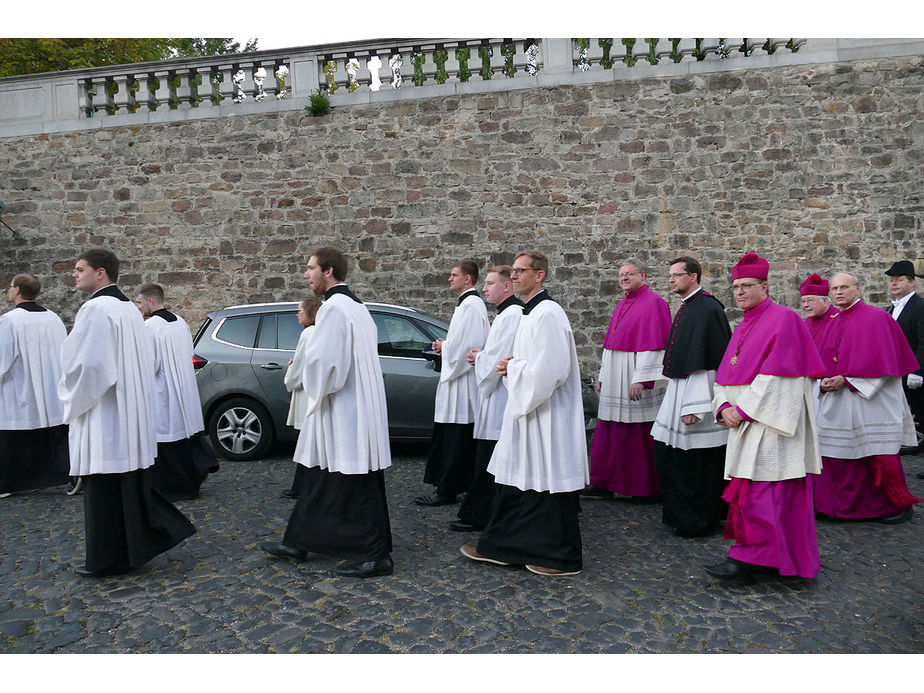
(537, 259)
(100, 258)
(501, 270)
(151, 290)
(690, 265)
(332, 258)
(310, 305)
(469, 267)
(28, 285)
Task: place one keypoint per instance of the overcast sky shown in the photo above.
(355, 20)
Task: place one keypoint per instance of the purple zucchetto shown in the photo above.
(751, 266)
(814, 285)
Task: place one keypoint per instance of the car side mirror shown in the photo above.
(436, 357)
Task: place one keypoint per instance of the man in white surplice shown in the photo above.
(343, 443)
(108, 392)
(451, 458)
(183, 462)
(33, 437)
(540, 460)
(475, 510)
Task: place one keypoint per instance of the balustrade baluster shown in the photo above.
(162, 93)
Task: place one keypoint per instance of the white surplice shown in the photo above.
(107, 388)
(346, 422)
(298, 404)
(542, 444)
(618, 371)
(781, 442)
(690, 395)
(179, 410)
(874, 420)
(457, 391)
(492, 392)
(30, 367)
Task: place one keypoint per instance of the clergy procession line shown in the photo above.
(762, 428)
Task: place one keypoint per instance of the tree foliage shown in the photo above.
(22, 56)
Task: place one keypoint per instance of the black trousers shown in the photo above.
(692, 482)
(33, 458)
(476, 507)
(128, 522)
(181, 466)
(450, 462)
(534, 527)
(341, 515)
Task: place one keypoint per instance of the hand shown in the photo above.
(833, 384)
(470, 356)
(731, 417)
(290, 362)
(599, 385)
(914, 381)
(689, 419)
(502, 365)
(438, 345)
(635, 391)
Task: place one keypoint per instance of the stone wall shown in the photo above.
(816, 167)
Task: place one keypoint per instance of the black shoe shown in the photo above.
(920, 475)
(463, 526)
(897, 519)
(435, 499)
(368, 568)
(910, 450)
(283, 551)
(291, 493)
(732, 570)
(85, 572)
(594, 492)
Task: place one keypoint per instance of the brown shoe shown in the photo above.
(550, 572)
(470, 551)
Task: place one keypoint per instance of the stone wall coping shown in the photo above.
(226, 85)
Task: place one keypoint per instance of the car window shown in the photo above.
(267, 338)
(240, 330)
(288, 330)
(437, 331)
(399, 336)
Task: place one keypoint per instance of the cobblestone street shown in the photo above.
(642, 590)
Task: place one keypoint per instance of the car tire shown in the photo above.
(241, 429)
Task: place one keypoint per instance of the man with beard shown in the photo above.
(342, 510)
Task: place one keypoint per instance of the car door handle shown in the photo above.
(270, 366)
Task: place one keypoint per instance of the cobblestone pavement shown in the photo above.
(642, 590)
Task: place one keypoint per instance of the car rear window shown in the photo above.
(239, 331)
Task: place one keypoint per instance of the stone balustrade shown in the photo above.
(384, 70)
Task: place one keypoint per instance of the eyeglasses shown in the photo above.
(517, 271)
(744, 287)
(626, 275)
(676, 275)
